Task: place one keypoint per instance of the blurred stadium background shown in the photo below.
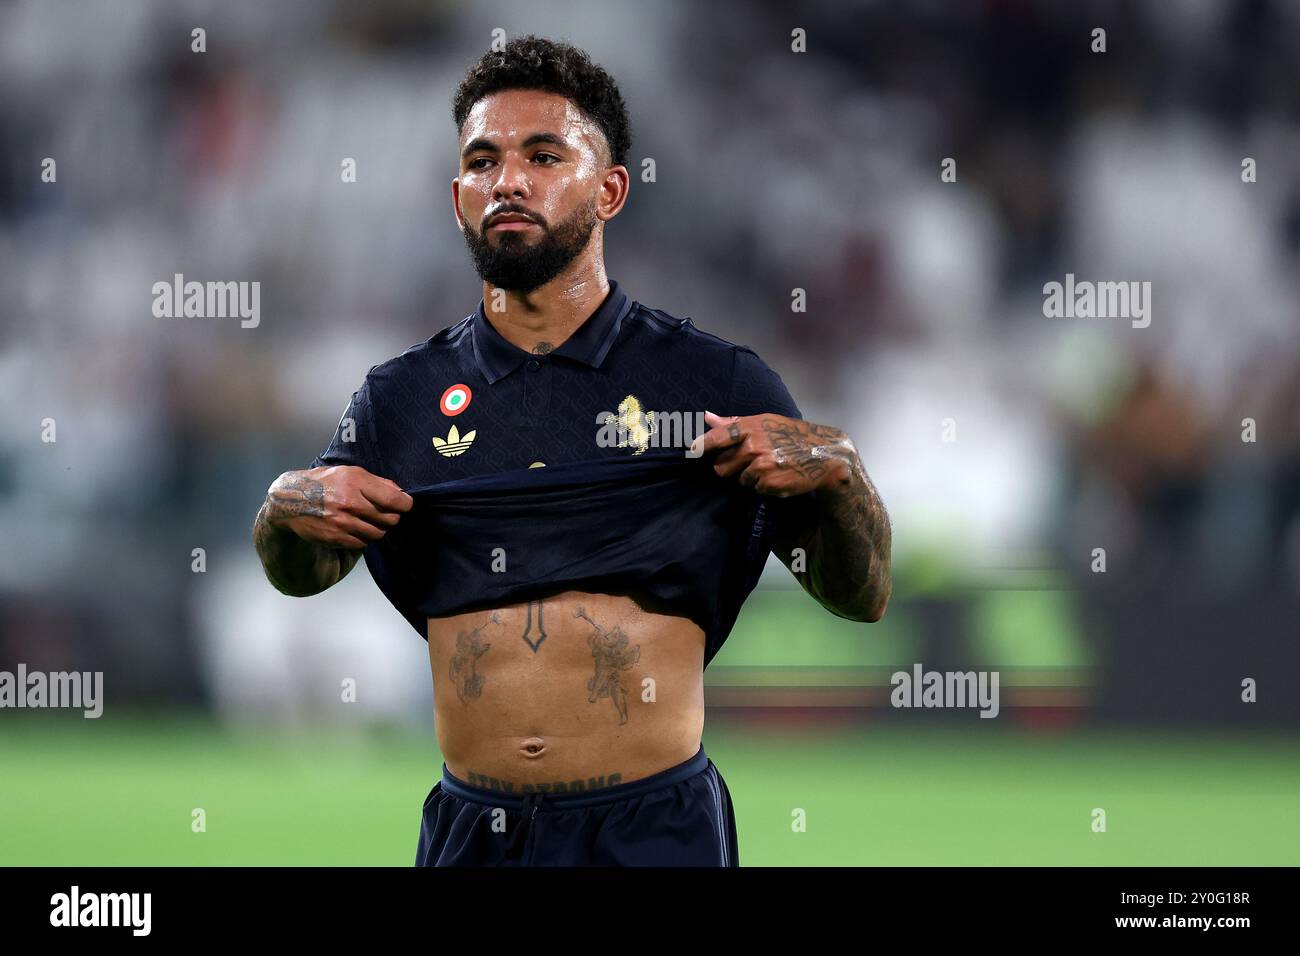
(775, 170)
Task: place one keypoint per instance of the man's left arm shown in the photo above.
(834, 513)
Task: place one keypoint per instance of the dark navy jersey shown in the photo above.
(565, 471)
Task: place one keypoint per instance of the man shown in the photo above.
(571, 590)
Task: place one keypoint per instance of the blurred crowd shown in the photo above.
(1000, 439)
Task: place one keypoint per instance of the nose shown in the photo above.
(513, 182)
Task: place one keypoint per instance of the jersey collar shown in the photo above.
(589, 344)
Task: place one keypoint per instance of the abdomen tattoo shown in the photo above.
(463, 671)
(610, 651)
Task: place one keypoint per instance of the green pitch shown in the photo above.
(78, 792)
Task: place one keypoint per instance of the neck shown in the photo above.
(541, 320)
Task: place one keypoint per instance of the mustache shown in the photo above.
(535, 217)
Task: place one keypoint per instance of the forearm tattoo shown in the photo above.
(610, 651)
(463, 671)
(862, 537)
(849, 549)
(290, 564)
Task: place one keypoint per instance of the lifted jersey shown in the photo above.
(536, 473)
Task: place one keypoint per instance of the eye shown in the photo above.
(551, 155)
(474, 163)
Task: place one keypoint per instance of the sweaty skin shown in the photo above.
(594, 688)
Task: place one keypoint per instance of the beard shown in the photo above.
(516, 264)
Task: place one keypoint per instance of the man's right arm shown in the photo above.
(314, 525)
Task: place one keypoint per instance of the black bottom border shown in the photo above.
(302, 905)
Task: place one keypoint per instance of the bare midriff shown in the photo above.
(574, 691)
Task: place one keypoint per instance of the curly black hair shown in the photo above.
(535, 63)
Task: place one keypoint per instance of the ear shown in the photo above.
(455, 204)
(613, 193)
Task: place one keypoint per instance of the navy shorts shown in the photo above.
(681, 816)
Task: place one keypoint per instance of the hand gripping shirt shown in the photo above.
(538, 473)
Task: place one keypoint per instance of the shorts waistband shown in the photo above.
(570, 799)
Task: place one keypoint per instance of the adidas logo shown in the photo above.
(453, 444)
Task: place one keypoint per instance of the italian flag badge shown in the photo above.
(455, 400)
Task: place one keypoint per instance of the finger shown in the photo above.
(713, 419)
(357, 528)
(733, 461)
(752, 473)
(766, 479)
(724, 433)
(332, 533)
(353, 502)
(387, 495)
(404, 501)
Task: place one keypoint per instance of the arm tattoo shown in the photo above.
(863, 538)
(464, 663)
(271, 548)
(528, 627)
(293, 565)
(610, 651)
(299, 495)
(849, 547)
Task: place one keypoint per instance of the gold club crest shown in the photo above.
(633, 427)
